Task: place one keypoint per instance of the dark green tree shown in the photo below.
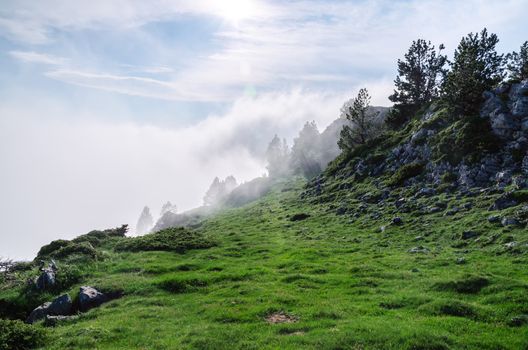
(476, 67)
(305, 155)
(362, 127)
(419, 74)
(518, 63)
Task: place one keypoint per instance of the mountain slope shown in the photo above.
(339, 281)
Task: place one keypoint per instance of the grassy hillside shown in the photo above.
(333, 280)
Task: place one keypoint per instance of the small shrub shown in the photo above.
(172, 239)
(83, 248)
(405, 172)
(47, 250)
(468, 284)
(16, 335)
(449, 177)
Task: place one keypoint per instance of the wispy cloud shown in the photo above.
(35, 57)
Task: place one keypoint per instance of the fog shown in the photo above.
(63, 177)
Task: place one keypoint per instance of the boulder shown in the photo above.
(90, 297)
(397, 221)
(60, 306)
(46, 280)
(494, 218)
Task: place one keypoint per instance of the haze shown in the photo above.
(106, 107)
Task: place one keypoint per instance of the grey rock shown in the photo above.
(508, 221)
(494, 218)
(469, 234)
(39, 313)
(460, 261)
(90, 297)
(510, 245)
(503, 202)
(60, 306)
(46, 280)
(397, 221)
(518, 321)
(434, 209)
(419, 250)
(52, 321)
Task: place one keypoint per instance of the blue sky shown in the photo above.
(107, 106)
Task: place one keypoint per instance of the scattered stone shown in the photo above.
(467, 206)
(414, 269)
(90, 297)
(461, 261)
(494, 219)
(419, 249)
(418, 238)
(397, 221)
(452, 211)
(425, 192)
(503, 202)
(510, 245)
(469, 234)
(508, 221)
(518, 321)
(434, 209)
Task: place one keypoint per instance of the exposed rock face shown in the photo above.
(61, 306)
(507, 109)
(90, 297)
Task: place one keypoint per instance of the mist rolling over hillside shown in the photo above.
(258, 174)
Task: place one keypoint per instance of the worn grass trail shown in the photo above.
(344, 285)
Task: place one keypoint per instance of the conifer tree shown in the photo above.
(362, 129)
(518, 63)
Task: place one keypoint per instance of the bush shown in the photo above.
(83, 248)
(97, 238)
(47, 250)
(16, 335)
(172, 239)
(405, 172)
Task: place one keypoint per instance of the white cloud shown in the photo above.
(35, 57)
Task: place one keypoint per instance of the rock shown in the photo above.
(434, 209)
(503, 202)
(494, 218)
(419, 250)
(509, 221)
(425, 192)
(60, 306)
(46, 280)
(52, 321)
(299, 217)
(460, 261)
(341, 211)
(510, 245)
(518, 321)
(38, 313)
(90, 297)
(397, 221)
(519, 182)
(469, 234)
(452, 211)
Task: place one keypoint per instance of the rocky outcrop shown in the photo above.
(507, 109)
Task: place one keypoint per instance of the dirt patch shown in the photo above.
(281, 317)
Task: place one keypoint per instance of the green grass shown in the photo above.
(347, 284)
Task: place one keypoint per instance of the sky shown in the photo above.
(108, 106)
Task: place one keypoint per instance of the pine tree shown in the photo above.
(305, 155)
(362, 129)
(477, 67)
(420, 75)
(278, 157)
(518, 63)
